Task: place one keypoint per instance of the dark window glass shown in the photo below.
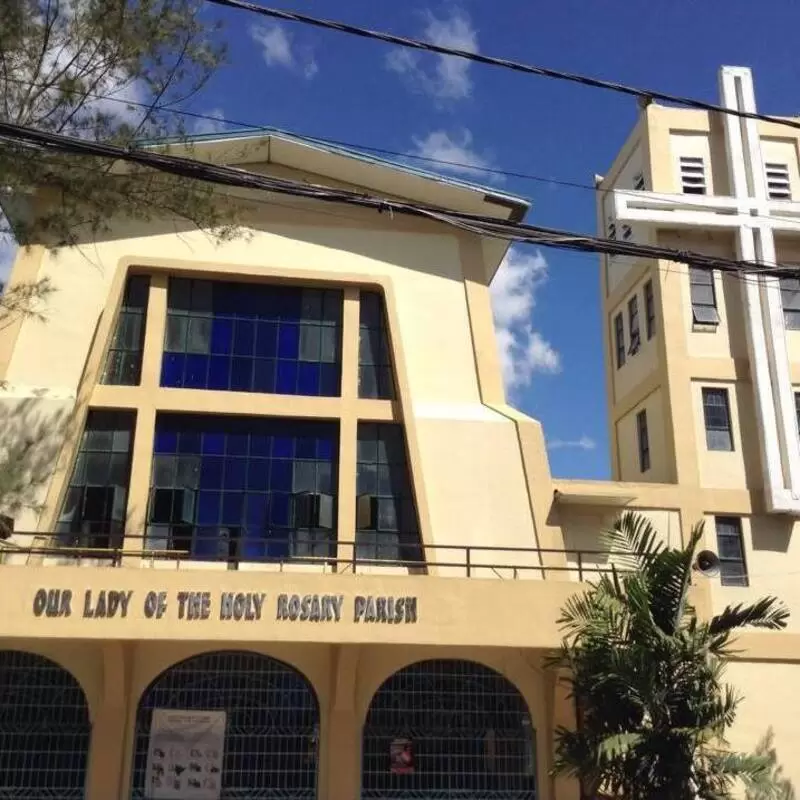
(375, 375)
(716, 413)
(243, 337)
(644, 441)
(790, 297)
(619, 339)
(243, 489)
(650, 309)
(124, 359)
(703, 296)
(94, 507)
(386, 513)
(797, 409)
(633, 325)
(733, 567)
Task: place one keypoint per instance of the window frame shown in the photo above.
(695, 281)
(735, 531)
(790, 303)
(634, 330)
(643, 441)
(619, 339)
(706, 392)
(692, 172)
(778, 173)
(650, 310)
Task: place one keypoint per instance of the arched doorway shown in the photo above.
(269, 743)
(44, 729)
(448, 728)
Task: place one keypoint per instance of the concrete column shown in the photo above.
(107, 747)
(348, 426)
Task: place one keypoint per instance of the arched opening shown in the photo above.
(44, 729)
(446, 729)
(253, 733)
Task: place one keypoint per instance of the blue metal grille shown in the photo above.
(272, 730)
(464, 729)
(44, 730)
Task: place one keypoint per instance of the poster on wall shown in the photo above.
(401, 757)
(184, 756)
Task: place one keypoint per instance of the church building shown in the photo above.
(282, 535)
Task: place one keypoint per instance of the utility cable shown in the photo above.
(479, 224)
(517, 66)
(353, 146)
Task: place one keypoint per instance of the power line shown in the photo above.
(481, 225)
(267, 129)
(517, 66)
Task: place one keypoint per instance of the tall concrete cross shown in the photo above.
(754, 219)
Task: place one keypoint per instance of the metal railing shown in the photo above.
(487, 560)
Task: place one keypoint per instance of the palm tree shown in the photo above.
(646, 677)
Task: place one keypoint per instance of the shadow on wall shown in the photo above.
(773, 534)
(32, 433)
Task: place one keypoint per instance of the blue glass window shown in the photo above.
(247, 337)
(375, 375)
(124, 360)
(387, 526)
(243, 488)
(94, 507)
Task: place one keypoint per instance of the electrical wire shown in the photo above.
(517, 66)
(353, 146)
(478, 224)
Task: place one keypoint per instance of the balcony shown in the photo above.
(311, 552)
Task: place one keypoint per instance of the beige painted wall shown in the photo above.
(628, 441)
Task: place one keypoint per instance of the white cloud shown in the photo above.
(279, 50)
(457, 149)
(584, 443)
(447, 77)
(214, 125)
(523, 351)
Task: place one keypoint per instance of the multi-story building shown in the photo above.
(280, 527)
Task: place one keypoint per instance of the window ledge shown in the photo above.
(705, 327)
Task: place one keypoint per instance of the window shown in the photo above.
(252, 338)
(693, 175)
(386, 515)
(619, 337)
(778, 186)
(124, 360)
(375, 377)
(797, 408)
(790, 298)
(638, 182)
(717, 415)
(650, 309)
(633, 325)
(644, 441)
(733, 568)
(242, 488)
(93, 511)
(703, 296)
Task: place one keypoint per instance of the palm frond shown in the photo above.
(633, 539)
(768, 612)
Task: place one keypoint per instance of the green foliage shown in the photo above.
(647, 677)
(64, 63)
(776, 787)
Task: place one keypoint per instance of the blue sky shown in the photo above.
(331, 85)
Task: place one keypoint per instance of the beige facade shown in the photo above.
(445, 583)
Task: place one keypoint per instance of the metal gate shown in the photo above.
(448, 730)
(44, 730)
(271, 735)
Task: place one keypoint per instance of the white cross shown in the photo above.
(755, 219)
